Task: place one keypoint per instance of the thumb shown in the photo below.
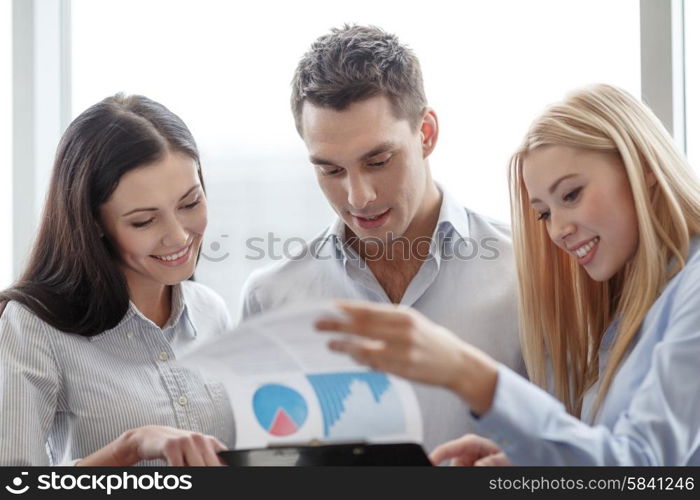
(495, 460)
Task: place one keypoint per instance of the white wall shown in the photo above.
(5, 143)
(692, 81)
(225, 68)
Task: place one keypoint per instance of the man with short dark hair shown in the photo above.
(359, 105)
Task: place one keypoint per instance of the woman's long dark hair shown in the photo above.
(73, 281)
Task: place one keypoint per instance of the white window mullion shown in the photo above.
(663, 63)
(41, 108)
(6, 221)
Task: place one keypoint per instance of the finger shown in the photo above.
(191, 448)
(173, 457)
(360, 310)
(335, 325)
(356, 347)
(465, 449)
(370, 353)
(219, 446)
(368, 327)
(209, 452)
(357, 310)
(364, 328)
(496, 460)
(388, 318)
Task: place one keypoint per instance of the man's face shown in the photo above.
(370, 165)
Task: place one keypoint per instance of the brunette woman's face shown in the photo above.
(155, 219)
(585, 200)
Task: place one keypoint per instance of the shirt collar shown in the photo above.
(177, 306)
(335, 236)
(178, 314)
(452, 216)
(336, 231)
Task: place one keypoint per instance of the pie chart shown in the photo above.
(279, 409)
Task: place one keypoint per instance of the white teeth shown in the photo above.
(174, 256)
(583, 251)
(370, 217)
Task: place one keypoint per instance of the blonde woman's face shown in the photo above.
(584, 199)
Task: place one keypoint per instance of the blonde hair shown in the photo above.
(563, 312)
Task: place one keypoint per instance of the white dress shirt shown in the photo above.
(467, 283)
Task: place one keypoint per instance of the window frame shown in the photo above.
(42, 81)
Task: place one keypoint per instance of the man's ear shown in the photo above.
(428, 131)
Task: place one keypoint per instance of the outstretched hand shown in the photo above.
(176, 446)
(470, 450)
(397, 340)
(402, 341)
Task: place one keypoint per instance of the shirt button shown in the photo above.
(182, 400)
(129, 335)
(163, 356)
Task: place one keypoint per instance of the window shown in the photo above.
(5, 144)
(692, 82)
(489, 68)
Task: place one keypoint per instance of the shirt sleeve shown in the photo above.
(661, 425)
(225, 323)
(29, 385)
(250, 306)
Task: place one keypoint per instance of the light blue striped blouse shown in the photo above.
(650, 415)
(64, 396)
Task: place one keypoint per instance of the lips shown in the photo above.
(582, 249)
(176, 258)
(372, 221)
(585, 251)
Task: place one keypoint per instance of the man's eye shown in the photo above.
(572, 195)
(142, 224)
(331, 171)
(376, 164)
(543, 216)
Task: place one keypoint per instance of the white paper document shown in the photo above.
(286, 386)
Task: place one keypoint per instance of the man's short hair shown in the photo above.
(354, 63)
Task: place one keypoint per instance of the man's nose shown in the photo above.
(360, 191)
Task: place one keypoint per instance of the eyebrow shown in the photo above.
(380, 148)
(153, 209)
(553, 187)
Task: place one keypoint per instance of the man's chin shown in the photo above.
(376, 237)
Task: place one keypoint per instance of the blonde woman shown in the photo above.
(606, 216)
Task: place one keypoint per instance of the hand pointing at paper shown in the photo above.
(402, 341)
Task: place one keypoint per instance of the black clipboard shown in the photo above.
(361, 454)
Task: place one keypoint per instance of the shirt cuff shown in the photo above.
(518, 416)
